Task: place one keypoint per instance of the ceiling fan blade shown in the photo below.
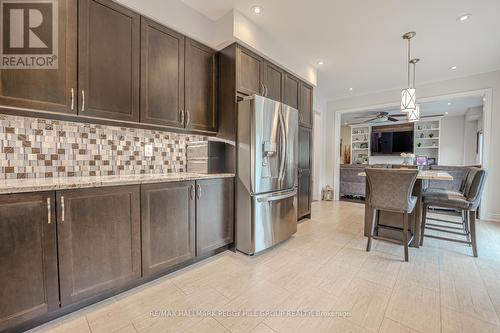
(432, 115)
(390, 118)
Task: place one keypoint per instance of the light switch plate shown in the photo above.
(148, 150)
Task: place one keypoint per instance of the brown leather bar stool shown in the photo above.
(466, 202)
(390, 190)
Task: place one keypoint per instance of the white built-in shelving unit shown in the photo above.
(360, 144)
(427, 141)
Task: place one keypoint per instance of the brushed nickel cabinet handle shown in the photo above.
(262, 89)
(63, 212)
(267, 92)
(191, 192)
(83, 100)
(182, 116)
(198, 192)
(72, 99)
(188, 118)
(49, 211)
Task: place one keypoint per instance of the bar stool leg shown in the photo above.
(422, 226)
(372, 230)
(405, 235)
(472, 222)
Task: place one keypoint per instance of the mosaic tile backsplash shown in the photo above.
(40, 148)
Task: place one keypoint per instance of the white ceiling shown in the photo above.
(457, 107)
(360, 41)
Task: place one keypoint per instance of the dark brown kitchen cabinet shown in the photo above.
(273, 81)
(47, 89)
(291, 91)
(304, 148)
(200, 88)
(162, 75)
(250, 70)
(214, 217)
(304, 194)
(168, 225)
(99, 240)
(108, 60)
(306, 105)
(28, 257)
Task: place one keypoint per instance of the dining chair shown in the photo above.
(467, 202)
(390, 190)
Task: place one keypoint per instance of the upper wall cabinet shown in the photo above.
(273, 81)
(200, 87)
(249, 75)
(47, 89)
(108, 60)
(291, 91)
(306, 105)
(162, 75)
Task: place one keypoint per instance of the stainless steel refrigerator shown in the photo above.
(267, 155)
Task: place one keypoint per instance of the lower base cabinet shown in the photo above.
(65, 248)
(28, 258)
(98, 234)
(214, 218)
(304, 194)
(168, 225)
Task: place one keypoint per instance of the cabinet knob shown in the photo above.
(83, 100)
(63, 210)
(191, 192)
(72, 99)
(49, 211)
(198, 192)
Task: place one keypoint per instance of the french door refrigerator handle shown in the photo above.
(277, 197)
(281, 172)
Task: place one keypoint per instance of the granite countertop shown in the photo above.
(8, 186)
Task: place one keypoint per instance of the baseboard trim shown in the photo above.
(491, 217)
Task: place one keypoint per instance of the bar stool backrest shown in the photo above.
(475, 190)
(390, 189)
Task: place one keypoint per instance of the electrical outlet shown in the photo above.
(148, 150)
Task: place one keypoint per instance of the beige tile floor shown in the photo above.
(323, 267)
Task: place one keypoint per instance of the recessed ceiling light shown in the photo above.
(257, 9)
(446, 112)
(321, 63)
(453, 68)
(449, 103)
(351, 89)
(345, 124)
(464, 17)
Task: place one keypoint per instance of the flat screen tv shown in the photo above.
(391, 143)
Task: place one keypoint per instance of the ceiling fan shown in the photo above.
(383, 117)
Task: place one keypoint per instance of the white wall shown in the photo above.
(471, 83)
(452, 140)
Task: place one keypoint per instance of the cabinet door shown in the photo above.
(291, 93)
(168, 225)
(200, 87)
(304, 193)
(99, 240)
(214, 214)
(28, 257)
(273, 82)
(304, 148)
(108, 60)
(162, 75)
(249, 68)
(306, 105)
(47, 89)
